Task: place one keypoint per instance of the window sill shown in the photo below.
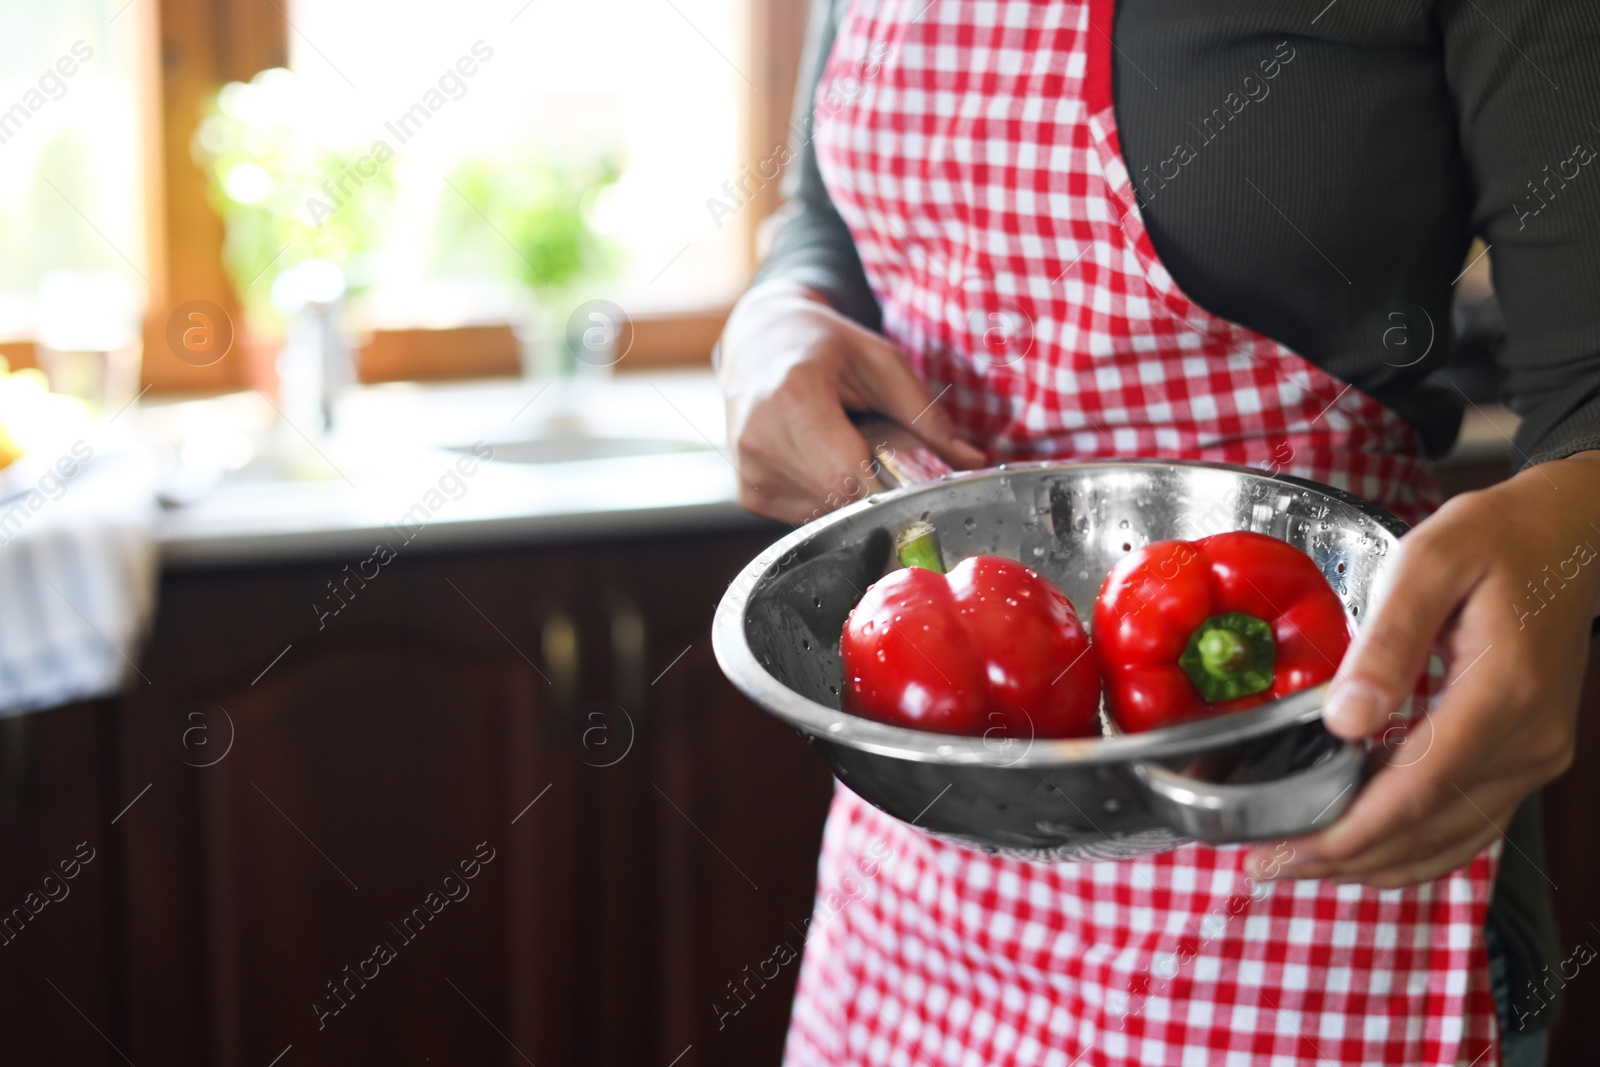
(681, 339)
(660, 340)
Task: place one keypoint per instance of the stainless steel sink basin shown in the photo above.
(574, 449)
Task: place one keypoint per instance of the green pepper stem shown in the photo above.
(918, 546)
(1223, 652)
(1230, 656)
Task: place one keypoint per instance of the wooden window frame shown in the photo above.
(204, 43)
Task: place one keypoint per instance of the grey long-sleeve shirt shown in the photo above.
(1400, 129)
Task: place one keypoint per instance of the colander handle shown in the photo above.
(909, 466)
(901, 460)
(1285, 807)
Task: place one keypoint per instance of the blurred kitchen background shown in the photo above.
(363, 513)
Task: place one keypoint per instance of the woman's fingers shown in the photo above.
(1502, 728)
(802, 462)
(1426, 866)
(834, 462)
(893, 389)
(1452, 748)
(772, 496)
(791, 367)
(1379, 840)
(791, 442)
(1379, 672)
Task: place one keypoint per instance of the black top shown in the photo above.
(1316, 172)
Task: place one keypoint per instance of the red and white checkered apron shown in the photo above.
(971, 148)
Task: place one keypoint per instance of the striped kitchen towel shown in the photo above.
(77, 575)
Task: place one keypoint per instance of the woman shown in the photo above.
(1224, 231)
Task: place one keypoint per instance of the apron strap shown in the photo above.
(1097, 61)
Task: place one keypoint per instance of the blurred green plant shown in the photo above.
(286, 193)
(539, 214)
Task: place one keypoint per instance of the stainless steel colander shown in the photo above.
(1266, 773)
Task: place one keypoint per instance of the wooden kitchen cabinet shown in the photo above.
(736, 802)
(60, 965)
(671, 840)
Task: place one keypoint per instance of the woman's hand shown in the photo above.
(790, 368)
(1503, 583)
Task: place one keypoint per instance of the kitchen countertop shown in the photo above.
(402, 463)
(637, 454)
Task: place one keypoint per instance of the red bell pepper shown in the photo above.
(1184, 629)
(992, 647)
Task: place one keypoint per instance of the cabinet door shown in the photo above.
(739, 810)
(59, 988)
(708, 830)
(369, 865)
(368, 786)
(374, 751)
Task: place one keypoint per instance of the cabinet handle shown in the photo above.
(16, 763)
(558, 645)
(630, 654)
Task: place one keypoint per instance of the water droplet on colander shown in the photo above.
(835, 727)
(1038, 550)
(969, 524)
(1123, 525)
(1083, 576)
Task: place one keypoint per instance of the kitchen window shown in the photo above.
(72, 194)
(662, 105)
(466, 99)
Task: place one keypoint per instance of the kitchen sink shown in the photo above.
(577, 449)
